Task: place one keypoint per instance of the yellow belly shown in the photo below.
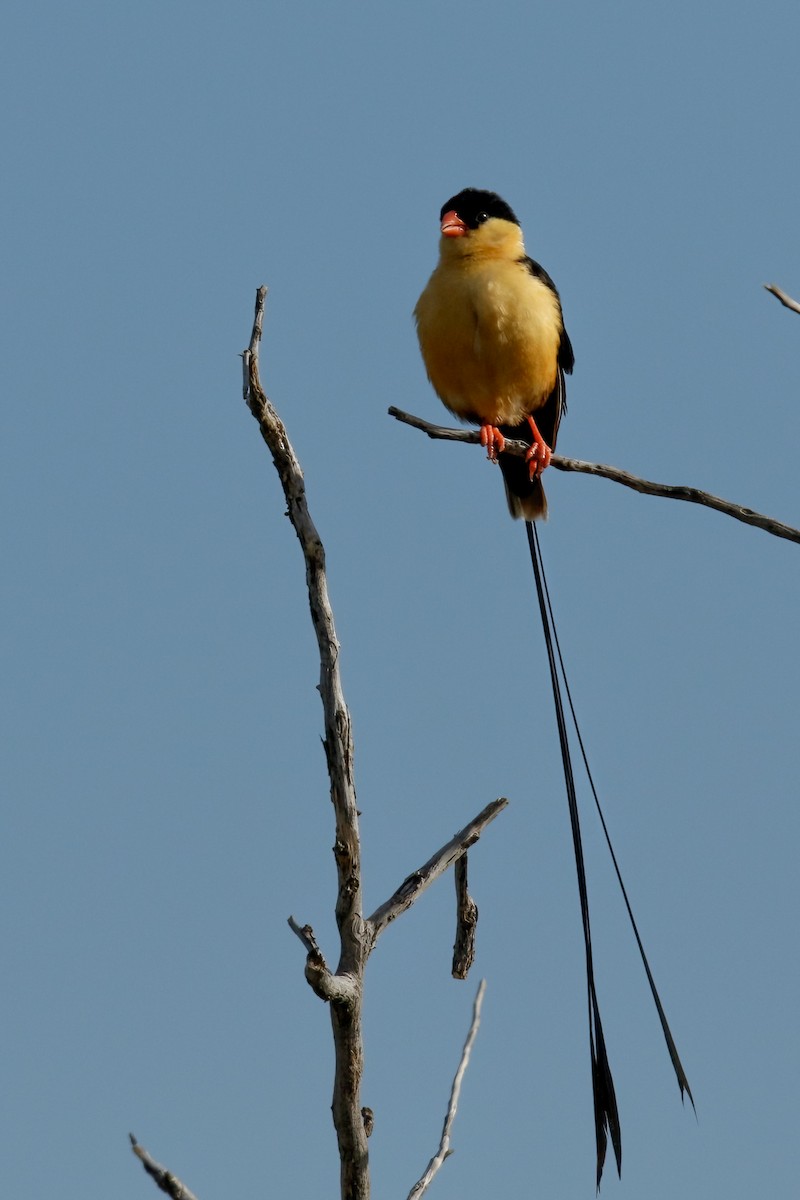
(489, 335)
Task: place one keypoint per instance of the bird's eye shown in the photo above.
(481, 217)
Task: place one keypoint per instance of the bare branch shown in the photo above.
(338, 735)
(329, 987)
(345, 997)
(466, 922)
(163, 1178)
(306, 935)
(645, 486)
(444, 1150)
(342, 989)
(785, 299)
(415, 884)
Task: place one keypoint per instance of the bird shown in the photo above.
(492, 337)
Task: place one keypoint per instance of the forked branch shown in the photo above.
(342, 989)
(415, 884)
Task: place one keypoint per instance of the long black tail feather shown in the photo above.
(683, 1082)
(606, 1116)
(605, 1105)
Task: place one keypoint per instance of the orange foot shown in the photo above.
(493, 440)
(539, 455)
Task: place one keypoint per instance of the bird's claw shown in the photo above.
(539, 455)
(537, 458)
(493, 440)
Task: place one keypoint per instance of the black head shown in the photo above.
(474, 206)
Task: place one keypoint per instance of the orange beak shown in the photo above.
(452, 225)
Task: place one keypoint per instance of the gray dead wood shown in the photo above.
(163, 1178)
(784, 297)
(345, 1005)
(342, 988)
(445, 1150)
(415, 884)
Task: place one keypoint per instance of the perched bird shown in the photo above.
(493, 340)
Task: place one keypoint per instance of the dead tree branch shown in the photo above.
(785, 299)
(645, 486)
(444, 1150)
(164, 1179)
(466, 922)
(415, 884)
(326, 985)
(342, 989)
(345, 1002)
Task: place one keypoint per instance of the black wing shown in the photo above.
(566, 356)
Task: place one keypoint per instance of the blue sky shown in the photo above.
(165, 799)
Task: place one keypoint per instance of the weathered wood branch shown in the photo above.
(163, 1178)
(338, 734)
(346, 995)
(415, 884)
(784, 297)
(645, 486)
(329, 987)
(466, 922)
(342, 989)
(444, 1150)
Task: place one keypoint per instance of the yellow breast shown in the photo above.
(489, 333)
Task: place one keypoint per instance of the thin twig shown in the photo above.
(784, 297)
(164, 1179)
(415, 884)
(444, 1150)
(645, 486)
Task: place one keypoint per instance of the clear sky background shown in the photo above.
(165, 800)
